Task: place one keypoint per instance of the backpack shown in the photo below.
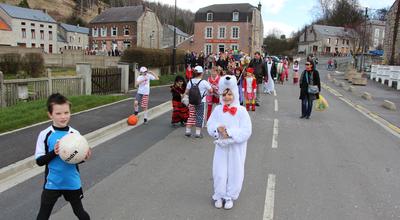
(194, 93)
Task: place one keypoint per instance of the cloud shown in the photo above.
(270, 26)
(274, 7)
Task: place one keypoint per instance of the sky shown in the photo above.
(285, 15)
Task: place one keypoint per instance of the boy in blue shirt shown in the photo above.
(61, 178)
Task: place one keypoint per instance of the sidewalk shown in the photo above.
(379, 93)
(19, 145)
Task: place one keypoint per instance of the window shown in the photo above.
(50, 35)
(344, 41)
(41, 25)
(208, 48)
(50, 26)
(126, 31)
(383, 34)
(33, 45)
(32, 24)
(337, 41)
(347, 42)
(79, 39)
(114, 31)
(95, 32)
(221, 48)
(33, 34)
(376, 32)
(235, 16)
(328, 41)
(376, 42)
(70, 39)
(23, 30)
(209, 16)
(234, 47)
(41, 34)
(22, 23)
(208, 32)
(103, 32)
(42, 46)
(221, 32)
(235, 32)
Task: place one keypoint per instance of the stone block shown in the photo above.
(351, 89)
(359, 81)
(389, 105)
(366, 96)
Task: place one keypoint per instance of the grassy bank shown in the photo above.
(165, 80)
(28, 113)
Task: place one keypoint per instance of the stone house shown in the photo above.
(324, 39)
(222, 27)
(28, 28)
(376, 34)
(392, 48)
(71, 37)
(123, 27)
(168, 36)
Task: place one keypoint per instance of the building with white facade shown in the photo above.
(72, 37)
(28, 28)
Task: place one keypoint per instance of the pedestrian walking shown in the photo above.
(260, 72)
(213, 98)
(296, 68)
(310, 86)
(231, 127)
(269, 80)
(61, 178)
(180, 112)
(196, 89)
(143, 92)
(249, 89)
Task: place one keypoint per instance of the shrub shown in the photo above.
(152, 57)
(33, 64)
(10, 63)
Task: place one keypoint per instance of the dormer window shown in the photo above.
(235, 16)
(209, 16)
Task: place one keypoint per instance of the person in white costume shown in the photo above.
(231, 127)
(270, 84)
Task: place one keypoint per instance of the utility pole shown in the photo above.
(174, 49)
(364, 41)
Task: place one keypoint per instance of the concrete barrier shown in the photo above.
(366, 96)
(351, 89)
(389, 105)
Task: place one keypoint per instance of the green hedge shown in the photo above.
(152, 57)
(13, 63)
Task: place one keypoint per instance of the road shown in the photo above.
(337, 165)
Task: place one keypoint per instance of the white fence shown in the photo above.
(15, 90)
(384, 73)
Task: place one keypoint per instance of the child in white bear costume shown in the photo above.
(230, 125)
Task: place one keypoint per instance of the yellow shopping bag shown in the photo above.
(321, 104)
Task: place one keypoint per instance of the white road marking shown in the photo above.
(269, 198)
(275, 134)
(276, 105)
(274, 92)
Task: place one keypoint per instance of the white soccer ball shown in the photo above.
(73, 148)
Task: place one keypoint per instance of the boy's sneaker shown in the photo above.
(218, 203)
(145, 121)
(228, 204)
(198, 136)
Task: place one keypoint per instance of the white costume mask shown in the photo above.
(229, 82)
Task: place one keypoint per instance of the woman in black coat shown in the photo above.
(309, 77)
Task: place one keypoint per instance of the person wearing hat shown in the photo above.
(250, 89)
(143, 92)
(196, 111)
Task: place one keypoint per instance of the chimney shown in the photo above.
(44, 10)
(259, 6)
(99, 10)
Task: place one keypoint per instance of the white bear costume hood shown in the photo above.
(230, 82)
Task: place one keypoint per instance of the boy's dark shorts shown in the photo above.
(69, 195)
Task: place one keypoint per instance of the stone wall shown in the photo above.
(389, 32)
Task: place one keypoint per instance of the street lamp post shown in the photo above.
(174, 49)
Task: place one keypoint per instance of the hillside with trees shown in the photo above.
(83, 11)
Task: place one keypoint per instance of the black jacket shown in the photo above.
(304, 84)
(260, 71)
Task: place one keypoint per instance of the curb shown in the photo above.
(22, 170)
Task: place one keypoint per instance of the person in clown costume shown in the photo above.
(231, 127)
